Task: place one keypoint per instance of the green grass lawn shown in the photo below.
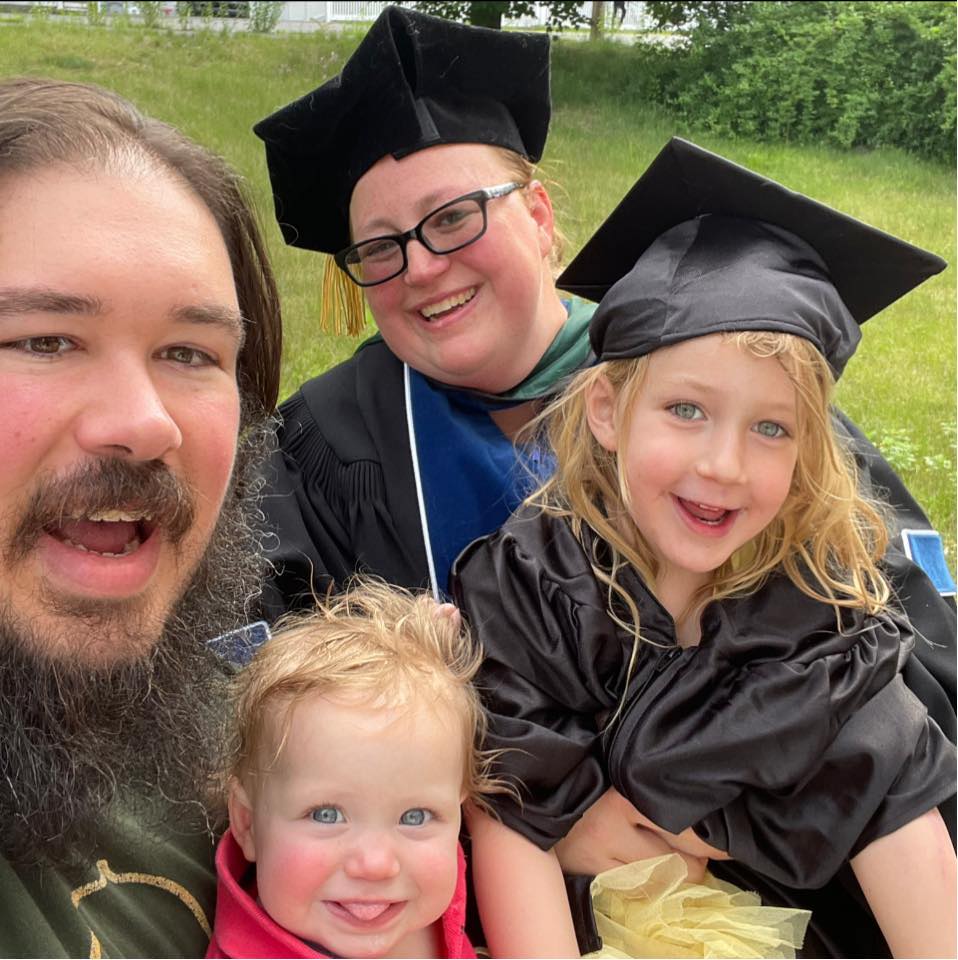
(901, 385)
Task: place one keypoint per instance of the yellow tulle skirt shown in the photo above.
(650, 909)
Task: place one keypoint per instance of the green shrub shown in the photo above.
(151, 15)
(850, 74)
(264, 15)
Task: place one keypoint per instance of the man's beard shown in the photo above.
(76, 739)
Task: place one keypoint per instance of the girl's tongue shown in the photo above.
(704, 512)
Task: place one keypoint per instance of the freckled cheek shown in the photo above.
(647, 475)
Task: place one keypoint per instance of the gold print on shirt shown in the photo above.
(163, 883)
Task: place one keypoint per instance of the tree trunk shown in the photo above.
(598, 19)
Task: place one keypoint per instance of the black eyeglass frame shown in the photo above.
(482, 197)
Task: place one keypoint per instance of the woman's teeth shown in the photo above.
(443, 306)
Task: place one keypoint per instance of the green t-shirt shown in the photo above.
(142, 895)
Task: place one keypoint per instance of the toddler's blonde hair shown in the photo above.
(383, 645)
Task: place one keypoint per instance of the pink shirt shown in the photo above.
(243, 929)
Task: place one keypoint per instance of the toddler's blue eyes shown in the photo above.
(415, 817)
(327, 815)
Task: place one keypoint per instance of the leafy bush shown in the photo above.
(264, 15)
(151, 14)
(603, 71)
(851, 74)
(490, 13)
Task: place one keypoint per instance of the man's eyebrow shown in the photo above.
(216, 315)
(15, 301)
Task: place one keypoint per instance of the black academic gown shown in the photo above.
(341, 491)
(341, 497)
(778, 739)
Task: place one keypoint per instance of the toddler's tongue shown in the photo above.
(100, 536)
(365, 910)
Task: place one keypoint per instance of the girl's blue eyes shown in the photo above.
(691, 411)
(328, 815)
(770, 429)
(415, 817)
(686, 411)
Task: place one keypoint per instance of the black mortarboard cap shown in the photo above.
(415, 81)
(701, 244)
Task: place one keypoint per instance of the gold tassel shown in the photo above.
(342, 308)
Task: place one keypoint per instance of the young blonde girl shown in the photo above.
(355, 739)
(693, 612)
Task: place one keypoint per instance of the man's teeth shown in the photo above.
(441, 306)
(111, 516)
(128, 548)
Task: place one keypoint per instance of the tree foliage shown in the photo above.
(490, 13)
(688, 14)
(853, 74)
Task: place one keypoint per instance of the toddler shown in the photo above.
(356, 732)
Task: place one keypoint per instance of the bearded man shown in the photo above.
(139, 362)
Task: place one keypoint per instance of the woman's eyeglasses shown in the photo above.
(446, 229)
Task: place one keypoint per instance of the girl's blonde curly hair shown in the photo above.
(827, 537)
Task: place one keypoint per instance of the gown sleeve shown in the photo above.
(329, 510)
(783, 741)
(548, 678)
(930, 672)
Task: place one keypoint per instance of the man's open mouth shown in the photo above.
(108, 533)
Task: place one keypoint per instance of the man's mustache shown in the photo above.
(147, 489)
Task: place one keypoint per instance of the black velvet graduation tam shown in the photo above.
(701, 244)
(415, 81)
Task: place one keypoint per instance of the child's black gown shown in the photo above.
(778, 739)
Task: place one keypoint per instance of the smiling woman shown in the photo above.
(473, 330)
